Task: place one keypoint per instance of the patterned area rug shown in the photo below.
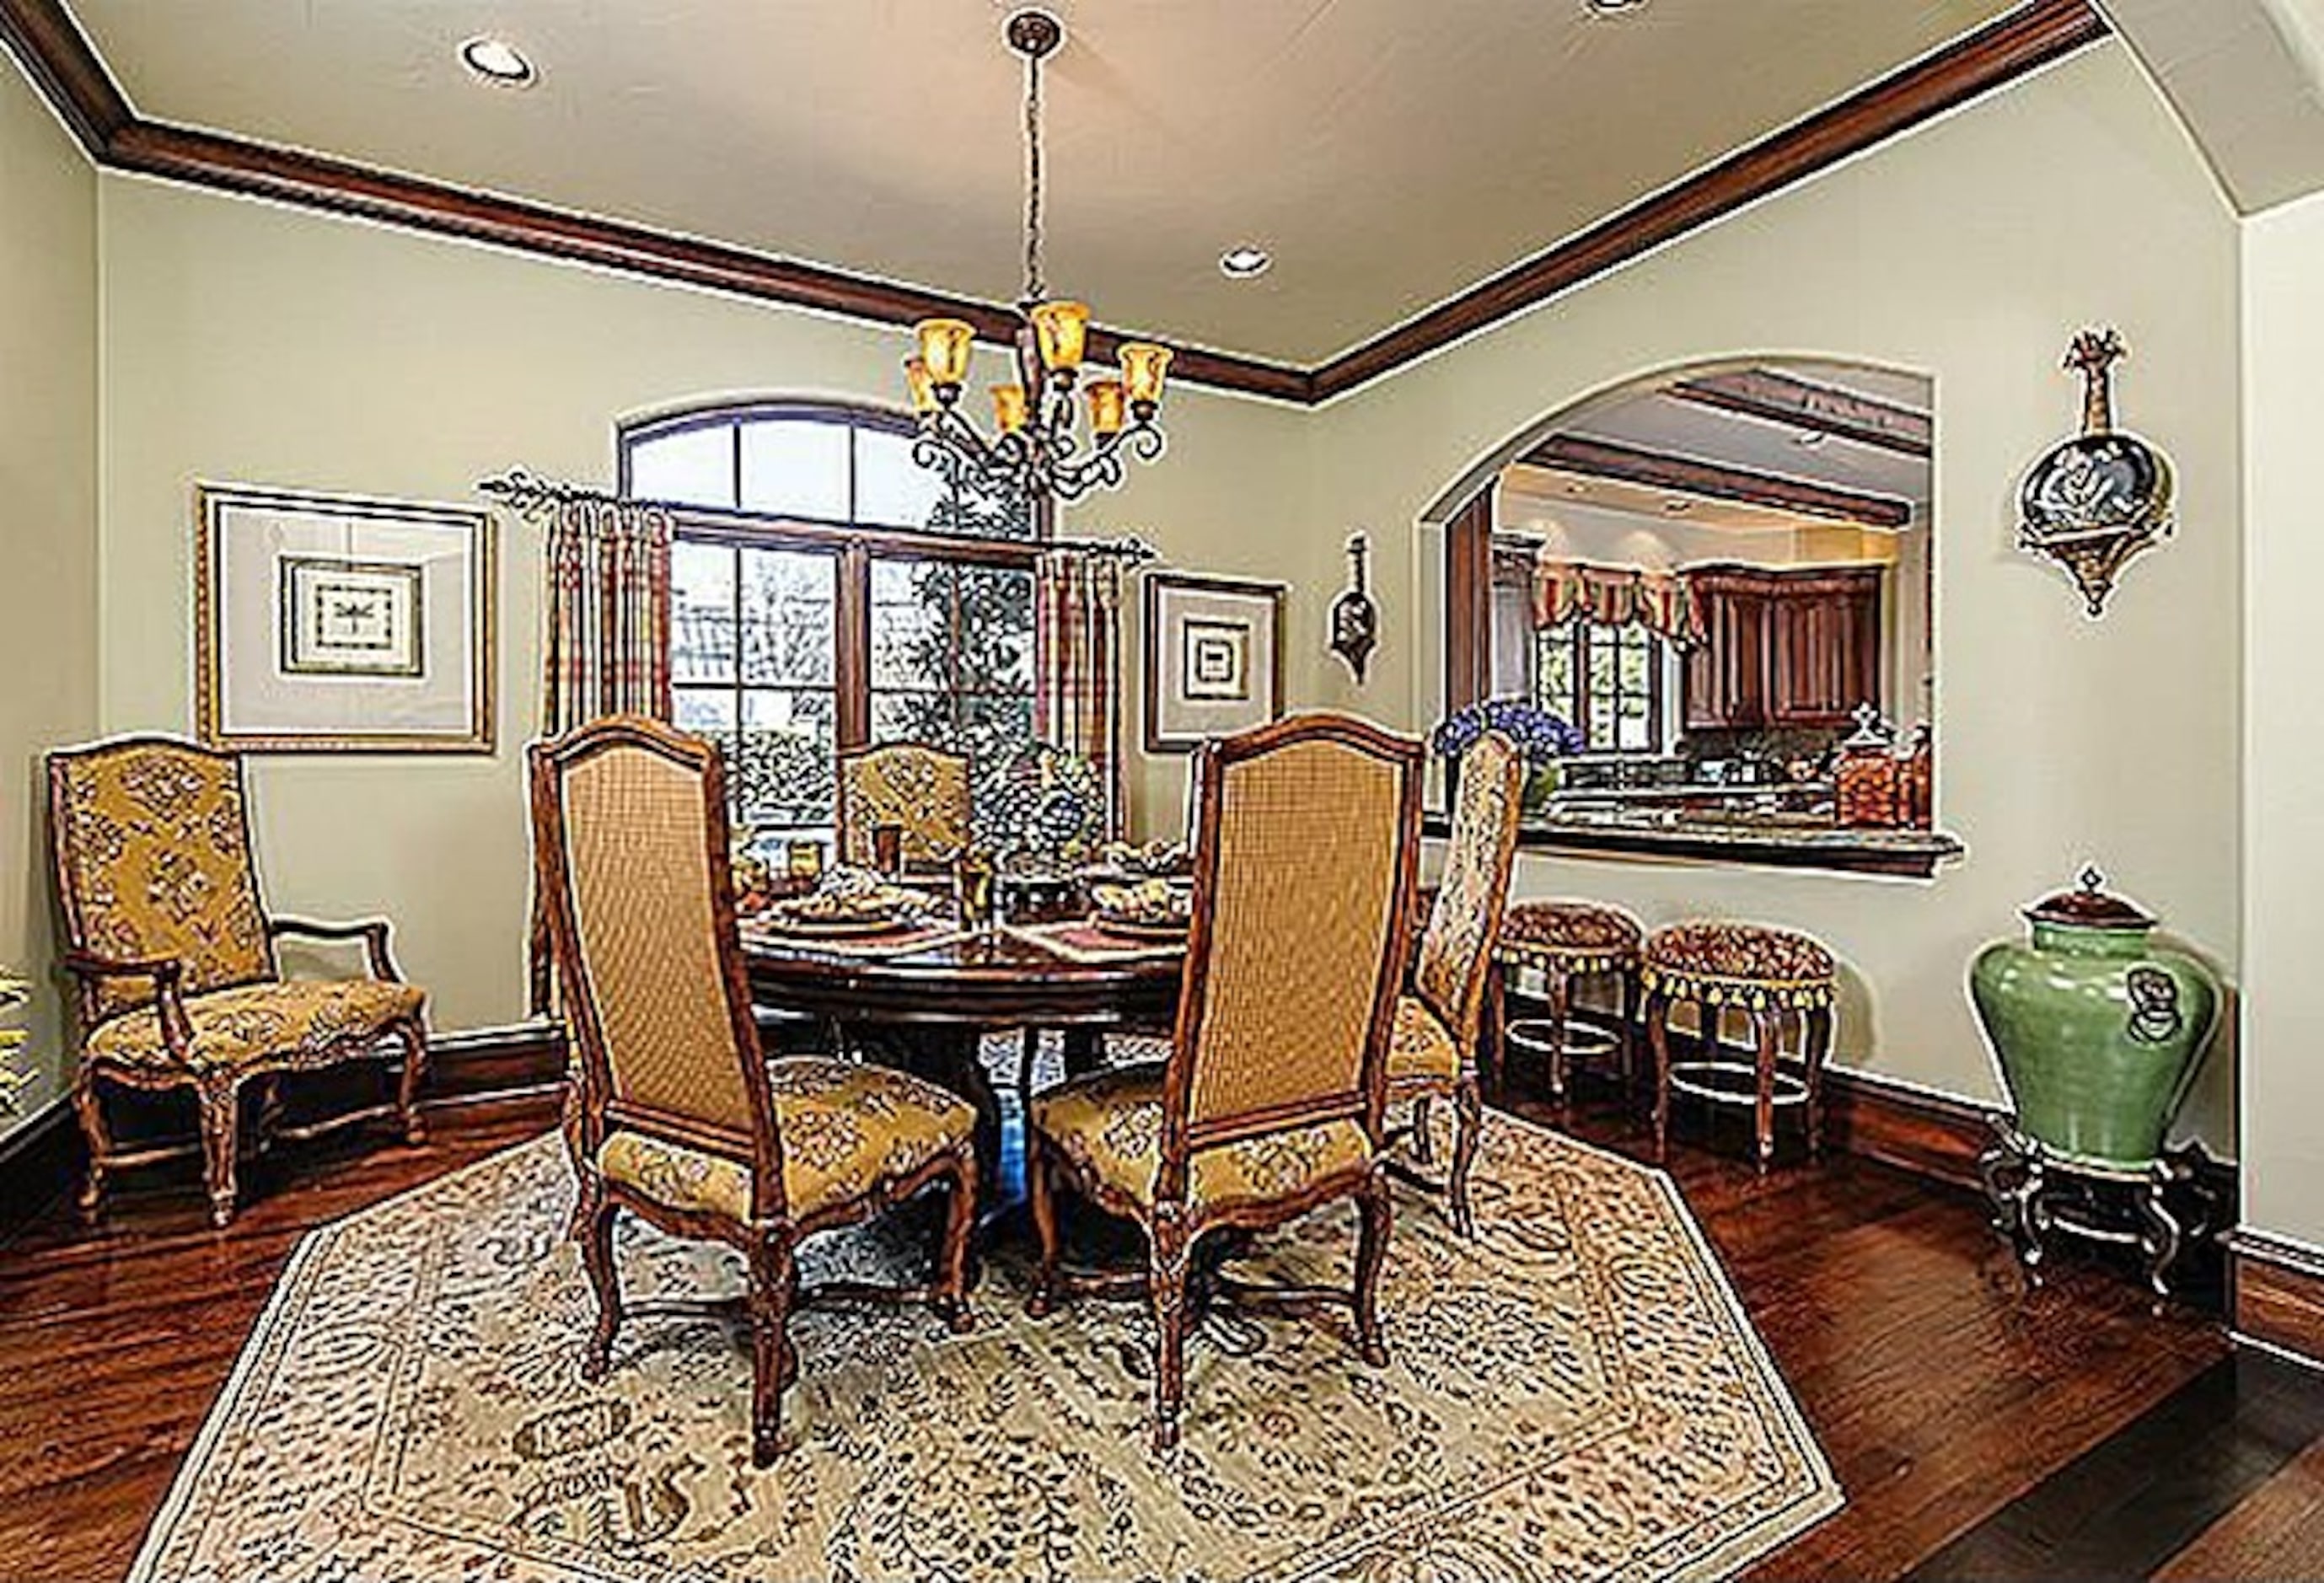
(1575, 1395)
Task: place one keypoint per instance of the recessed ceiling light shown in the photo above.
(1612, 7)
(1678, 508)
(1244, 262)
(1809, 438)
(497, 61)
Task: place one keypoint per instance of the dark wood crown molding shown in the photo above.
(1597, 458)
(2000, 52)
(60, 60)
(1818, 409)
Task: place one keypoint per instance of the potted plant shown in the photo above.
(1540, 737)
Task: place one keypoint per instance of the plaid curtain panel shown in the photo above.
(1077, 664)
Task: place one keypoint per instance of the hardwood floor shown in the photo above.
(1970, 1420)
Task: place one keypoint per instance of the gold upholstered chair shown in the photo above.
(1269, 1104)
(174, 955)
(679, 1119)
(923, 791)
(1433, 1050)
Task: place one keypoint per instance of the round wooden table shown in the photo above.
(926, 1011)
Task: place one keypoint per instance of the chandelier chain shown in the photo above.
(1036, 290)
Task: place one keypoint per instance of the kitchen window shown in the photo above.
(1612, 683)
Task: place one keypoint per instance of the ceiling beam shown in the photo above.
(1999, 52)
(1620, 464)
(61, 62)
(1818, 409)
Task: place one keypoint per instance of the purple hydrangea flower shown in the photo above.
(1539, 735)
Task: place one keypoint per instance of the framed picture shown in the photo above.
(1214, 657)
(332, 623)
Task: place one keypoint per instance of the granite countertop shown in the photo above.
(1691, 791)
(1788, 840)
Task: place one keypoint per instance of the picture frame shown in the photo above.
(341, 624)
(1214, 657)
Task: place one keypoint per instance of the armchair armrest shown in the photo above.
(168, 999)
(372, 932)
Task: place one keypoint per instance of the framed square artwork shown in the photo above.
(334, 624)
(1214, 657)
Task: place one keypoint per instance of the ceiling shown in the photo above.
(1389, 154)
(2247, 77)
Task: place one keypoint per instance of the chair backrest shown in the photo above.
(920, 789)
(151, 840)
(1303, 878)
(629, 837)
(1456, 948)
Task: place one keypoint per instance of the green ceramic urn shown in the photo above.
(2098, 1031)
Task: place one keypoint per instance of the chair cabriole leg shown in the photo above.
(1469, 1117)
(774, 1275)
(88, 1104)
(1167, 1251)
(952, 1259)
(414, 1039)
(605, 1277)
(1040, 1185)
(221, 1110)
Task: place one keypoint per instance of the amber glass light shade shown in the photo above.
(945, 347)
(1008, 407)
(923, 385)
(1061, 329)
(1143, 366)
(1105, 407)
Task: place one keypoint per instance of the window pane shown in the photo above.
(795, 467)
(892, 490)
(706, 710)
(1556, 671)
(693, 467)
(701, 612)
(913, 717)
(994, 729)
(782, 775)
(1634, 670)
(911, 625)
(789, 630)
(995, 635)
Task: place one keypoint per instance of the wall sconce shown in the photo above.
(1355, 618)
(2098, 498)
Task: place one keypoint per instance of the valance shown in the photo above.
(1616, 596)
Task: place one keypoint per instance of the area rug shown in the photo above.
(1574, 1394)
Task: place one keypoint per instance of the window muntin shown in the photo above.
(1612, 683)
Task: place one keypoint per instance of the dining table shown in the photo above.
(925, 1005)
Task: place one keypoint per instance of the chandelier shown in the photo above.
(1038, 449)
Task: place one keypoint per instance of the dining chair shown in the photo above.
(923, 791)
(173, 953)
(1269, 1104)
(679, 1117)
(1433, 1051)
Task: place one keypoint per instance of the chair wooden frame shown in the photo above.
(217, 1093)
(1174, 1225)
(769, 1238)
(1467, 1024)
(844, 833)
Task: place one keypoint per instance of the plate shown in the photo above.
(1139, 928)
(775, 922)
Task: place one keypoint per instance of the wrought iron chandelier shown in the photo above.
(1037, 449)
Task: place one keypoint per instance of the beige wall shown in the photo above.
(251, 343)
(1971, 251)
(2284, 830)
(48, 532)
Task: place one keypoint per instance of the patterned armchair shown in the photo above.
(174, 955)
(921, 790)
(679, 1117)
(1438, 1021)
(1269, 1105)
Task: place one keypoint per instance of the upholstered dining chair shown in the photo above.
(923, 791)
(1433, 1050)
(174, 953)
(679, 1119)
(1269, 1104)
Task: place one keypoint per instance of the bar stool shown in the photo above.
(1768, 973)
(1565, 942)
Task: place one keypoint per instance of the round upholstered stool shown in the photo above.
(1769, 974)
(1566, 941)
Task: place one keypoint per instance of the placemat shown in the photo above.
(1078, 941)
(858, 945)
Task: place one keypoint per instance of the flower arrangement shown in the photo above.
(1540, 736)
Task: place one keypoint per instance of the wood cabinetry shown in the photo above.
(1799, 646)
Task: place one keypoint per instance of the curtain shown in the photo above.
(606, 647)
(1077, 662)
(1616, 596)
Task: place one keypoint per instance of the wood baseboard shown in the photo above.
(477, 1077)
(1937, 1136)
(2276, 1293)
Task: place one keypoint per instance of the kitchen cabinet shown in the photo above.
(1795, 646)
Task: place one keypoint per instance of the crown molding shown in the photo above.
(66, 68)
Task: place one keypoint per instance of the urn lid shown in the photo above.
(2089, 907)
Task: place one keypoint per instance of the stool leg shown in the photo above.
(1559, 990)
(1623, 1041)
(1767, 1040)
(1816, 1039)
(1658, 1037)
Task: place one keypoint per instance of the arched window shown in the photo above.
(827, 592)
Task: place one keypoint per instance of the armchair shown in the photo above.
(174, 953)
